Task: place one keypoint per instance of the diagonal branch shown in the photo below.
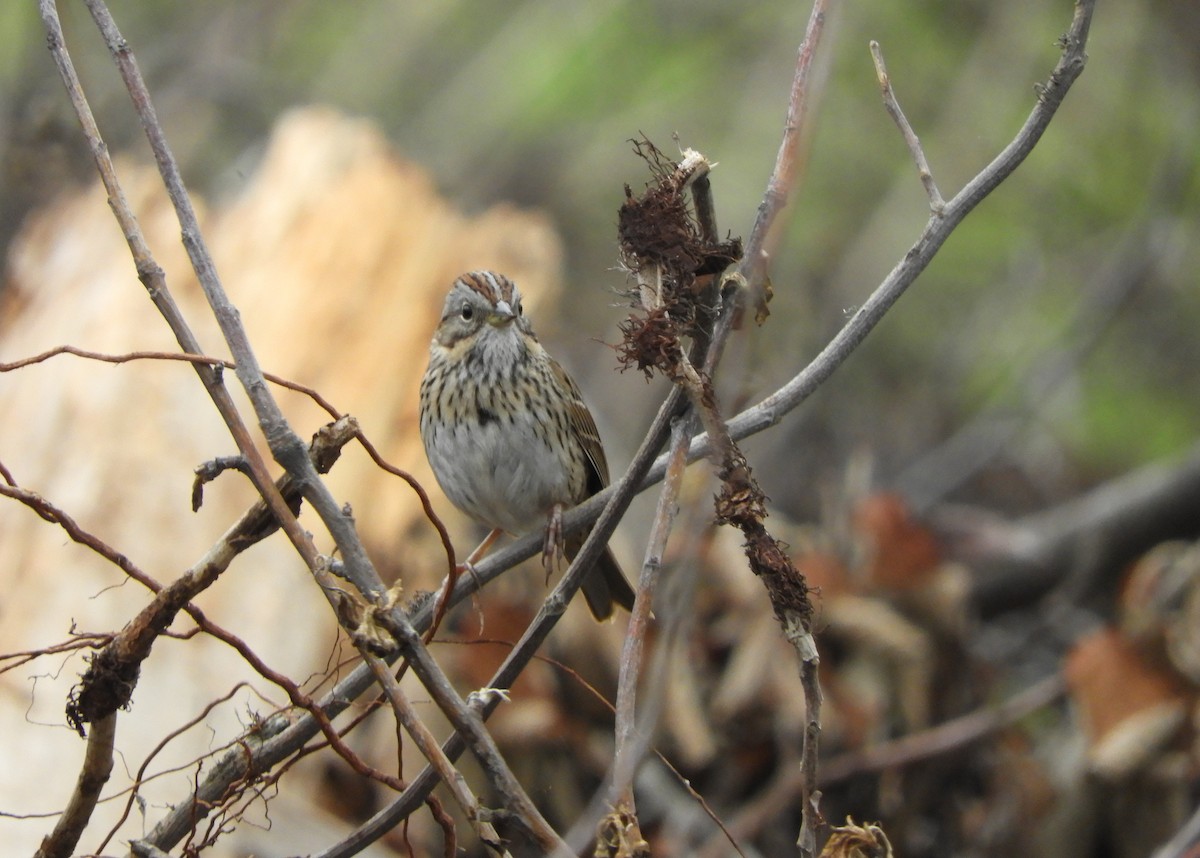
(764, 235)
(286, 446)
(453, 779)
(518, 807)
(776, 406)
(892, 104)
(153, 278)
(520, 655)
(97, 766)
(312, 394)
(629, 749)
(285, 738)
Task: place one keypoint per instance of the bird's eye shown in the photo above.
(519, 311)
(467, 312)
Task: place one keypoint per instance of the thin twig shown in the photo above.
(810, 796)
(430, 515)
(629, 750)
(139, 778)
(552, 608)
(126, 357)
(285, 445)
(304, 702)
(428, 746)
(763, 238)
(149, 272)
(936, 203)
(518, 807)
(777, 405)
(53, 514)
(172, 827)
(311, 393)
(13, 660)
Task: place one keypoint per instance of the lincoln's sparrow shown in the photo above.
(505, 428)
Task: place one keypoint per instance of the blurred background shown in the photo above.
(1048, 349)
(534, 103)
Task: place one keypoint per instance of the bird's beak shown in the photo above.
(502, 315)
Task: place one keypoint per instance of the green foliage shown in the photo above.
(535, 103)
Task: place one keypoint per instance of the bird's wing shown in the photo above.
(583, 427)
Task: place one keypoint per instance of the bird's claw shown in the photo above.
(552, 548)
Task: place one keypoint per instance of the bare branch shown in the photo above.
(766, 414)
(53, 514)
(776, 406)
(312, 394)
(427, 744)
(760, 245)
(430, 514)
(97, 766)
(149, 271)
(936, 203)
(140, 776)
(630, 747)
(518, 807)
(287, 448)
(77, 641)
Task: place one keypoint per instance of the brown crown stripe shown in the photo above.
(493, 287)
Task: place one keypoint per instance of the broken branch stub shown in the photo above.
(662, 244)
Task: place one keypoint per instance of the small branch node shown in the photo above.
(484, 697)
